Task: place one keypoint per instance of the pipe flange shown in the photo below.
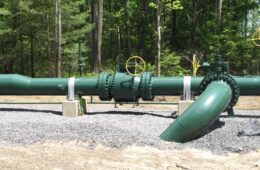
(226, 78)
(146, 86)
(103, 86)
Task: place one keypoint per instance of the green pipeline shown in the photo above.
(203, 112)
(120, 86)
(170, 86)
(14, 84)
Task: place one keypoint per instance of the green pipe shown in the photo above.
(249, 85)
(169, 86)
(121, 86)
(203, 112)
(21, 85)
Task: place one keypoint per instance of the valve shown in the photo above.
(256, 38)
(135, 66)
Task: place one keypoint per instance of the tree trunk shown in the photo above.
(158, 18)
(142, 29)
(118, 40)
(1, 60)
(10, 61)
(218, 20)
(21, 54)
(174, 28)
(194, 27)
(32, 54)
(218, 15)
(97, 21)
(254, 50)
(97, 66)
(92, 33)
(94, 21)
(58, 38)
(49, 46)
(254, 55)
(111, 26)
(128, 41)
(246, 18)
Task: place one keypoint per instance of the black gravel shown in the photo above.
(30, 124)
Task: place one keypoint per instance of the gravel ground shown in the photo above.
(121, 127)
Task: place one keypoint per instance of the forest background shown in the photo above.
(42, 38)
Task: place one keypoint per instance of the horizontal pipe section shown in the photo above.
(171, 86)
(201, 114)
(21, 85)
(13, 84)
(249, 86)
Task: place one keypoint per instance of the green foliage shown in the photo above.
(75, 31)
(150, 68)
(170, 64)
(168, 4)
(27, 35)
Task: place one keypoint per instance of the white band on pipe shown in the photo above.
(137, 79)
(71, 88)
(187, 88)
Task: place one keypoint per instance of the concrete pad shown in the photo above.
(183, 105)
(73, 108)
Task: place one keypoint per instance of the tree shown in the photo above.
(219, 4)
(174, 27)
(97, 21)
(158, 20)
(58, 38)
(127, 28)
(118, 29)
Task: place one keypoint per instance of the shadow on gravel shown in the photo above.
(216, 125)
(172, 116)
(241, 116)
(30, 110)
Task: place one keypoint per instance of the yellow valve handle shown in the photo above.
(256, 37)
(196, 65)
(139, 65)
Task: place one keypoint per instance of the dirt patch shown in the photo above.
(76, 155)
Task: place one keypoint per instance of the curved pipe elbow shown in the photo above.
(201, 114)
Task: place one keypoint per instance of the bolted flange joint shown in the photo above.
(230, 81)
(146, 86)
(103, 86)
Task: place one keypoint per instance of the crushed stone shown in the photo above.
(122, 127)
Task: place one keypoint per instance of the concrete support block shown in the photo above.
(183, 105)
(74, 108)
